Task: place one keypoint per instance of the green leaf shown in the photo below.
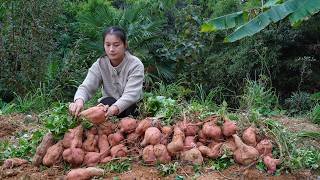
(271, 3)
(261, 21)
(305, 10)
(225, 22)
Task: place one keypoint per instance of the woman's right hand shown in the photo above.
(76, 107)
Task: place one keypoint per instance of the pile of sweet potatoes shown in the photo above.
(184, 141)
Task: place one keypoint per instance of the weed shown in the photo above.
(118, 166)
(167, 169)
(304, 157)
(261, 166)
(299, 103)
(257, 96)
(315, 114)
(225, 161)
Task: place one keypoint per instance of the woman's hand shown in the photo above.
(112, 111)
(76, 107)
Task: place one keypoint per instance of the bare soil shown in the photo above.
(10, 125)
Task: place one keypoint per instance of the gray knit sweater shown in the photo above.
(123, 82)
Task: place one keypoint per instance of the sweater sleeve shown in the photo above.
(133, 89)
(91, 83)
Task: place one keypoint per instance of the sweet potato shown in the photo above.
(244, 154)
(115, 138)
(148, 155)
(176, 144)
(230, 144)
(143, 125)
(103, 144)
(90, 144)
(229, 127)
(191, 130)
(74, 156)
(84, 173)
(53, 155)
(213, 152)
(151, 136)
(13, 162)
(106, 159)
(264, 147)
(161, 153)
(47, 141)
(95, 115)
(250, 136)
(271, 163)
(92, 158)
(119, 150)
(193, 155)
(166, 132)
(211, 130)
(189, 143)
(201, 137)
(105, 128)
(73, 138)
(133, 138)
(128, 125)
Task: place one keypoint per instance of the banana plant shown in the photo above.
(271, 12)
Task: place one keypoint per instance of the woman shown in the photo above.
(118, 72)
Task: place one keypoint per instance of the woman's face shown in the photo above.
(114, 48)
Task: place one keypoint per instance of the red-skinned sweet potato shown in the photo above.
(119, 150)
(193, 155)
(177, 142)
(166, 132)
(53, 155)
(106, 128)
(91, 142)
(213, 152)
(128, 125)
(74, 156)
(148, 155)
(151, 136)
(189, 143)
(103, 144)
(73, 138)
(115, 138)
(161, 153)
(92, 159)
(229, 127)
(95, 115)
(84, 173)
(264, 147)
(143, 126)
(244, 154)
(250, 136)
(46, 143)
(271, 163)
(210, 130)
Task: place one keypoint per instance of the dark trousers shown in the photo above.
(132, 110)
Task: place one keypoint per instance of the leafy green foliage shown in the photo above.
(167, 169)
(315, 114)
(258, 97)
(58, 121)
(305, 158)
(299, 103)
(118, 166)
(223, 162)
(25, 147)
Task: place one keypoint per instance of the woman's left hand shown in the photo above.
(112, 111)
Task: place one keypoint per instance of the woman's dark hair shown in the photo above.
(119, 32)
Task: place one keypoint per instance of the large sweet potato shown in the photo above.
(46, 142)
(161, 153)
(148, 155)
(264, 147)
(128, 125)
(151, 136)
(95, 114)
(143, 125)
(90, 144)
(250, 136)
(91, 158)
(74, 156)
(115, 138)
(211, 130)
(119, 150)
(244, 154)
(213, 152)
(189, 143)
(73, 138)
(193, 155)
(177, 142)
(229, 127)
(103, 144)
(53, 155)
(166, 132)
(84, 173)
